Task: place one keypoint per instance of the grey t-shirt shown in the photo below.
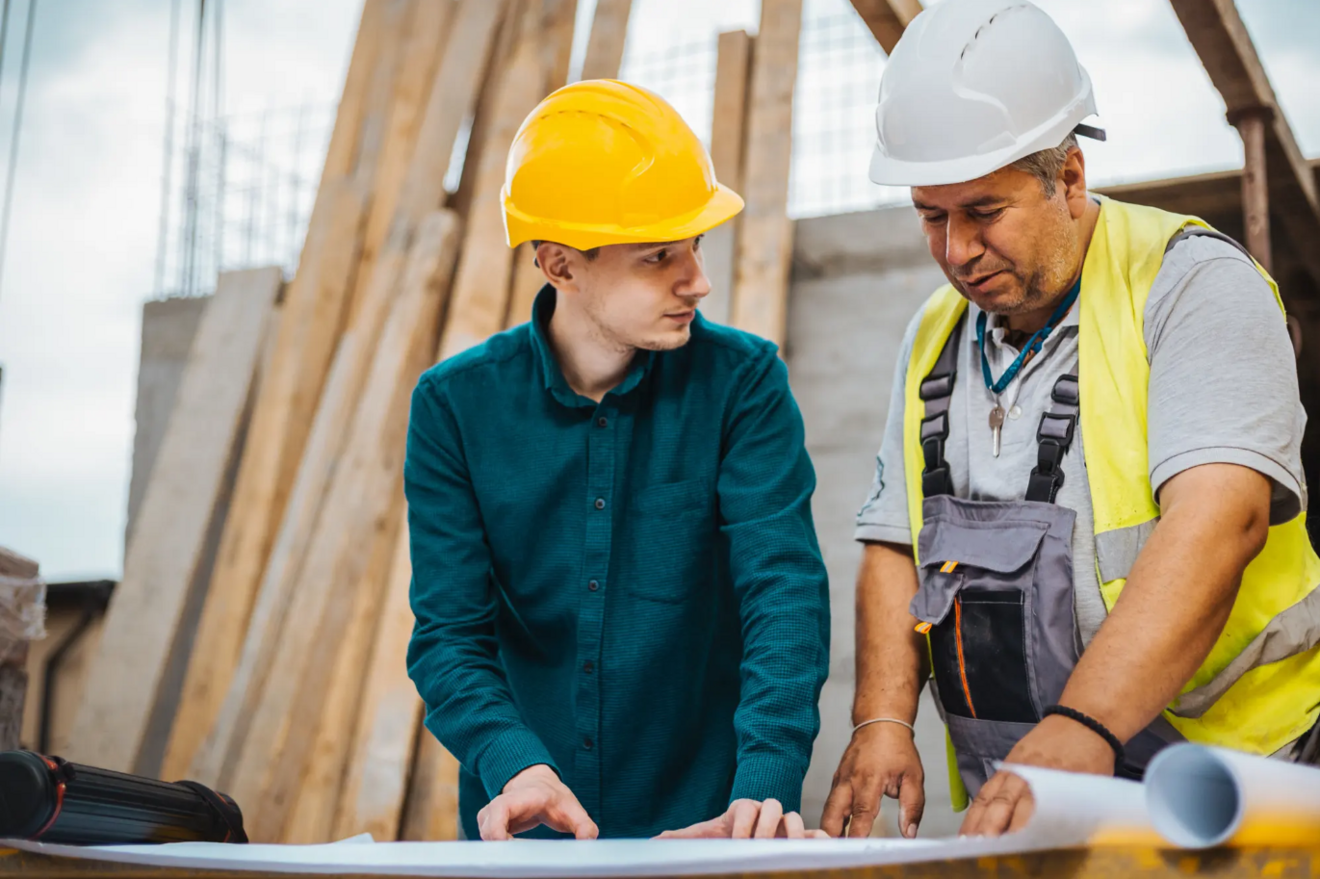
(1223, 389)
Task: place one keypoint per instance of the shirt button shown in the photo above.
(593, 585)
(600, 503)
(588, 666)
(1015, 413)
(588, 743)
(602, 421)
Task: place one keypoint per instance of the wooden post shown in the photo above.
(765, 245)
(1250, 123)
(727, 150)
(609, 32)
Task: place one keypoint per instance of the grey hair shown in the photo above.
(1045, 164)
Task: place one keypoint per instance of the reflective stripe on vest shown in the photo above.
(1259, 688)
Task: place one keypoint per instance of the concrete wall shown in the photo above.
(857, 281)
(168, 327)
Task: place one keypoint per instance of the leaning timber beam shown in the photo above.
(1216, 31)
(886, 19)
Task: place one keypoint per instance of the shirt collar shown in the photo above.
(553, 376)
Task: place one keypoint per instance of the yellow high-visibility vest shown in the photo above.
(1259, 688)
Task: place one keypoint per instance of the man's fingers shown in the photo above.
(567, 816)
(768, 822)
(837, 806)
(792, 827)
(1026, 807)
(993, 808)
(493, 821)
(911, 804)
(865, 808)
(744, 818)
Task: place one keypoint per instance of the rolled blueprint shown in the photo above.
(1199, 797)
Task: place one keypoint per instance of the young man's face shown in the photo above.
(1000, 240)
(640, 295)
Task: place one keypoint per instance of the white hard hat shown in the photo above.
(973, 86)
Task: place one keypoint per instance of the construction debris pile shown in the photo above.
(279, 675)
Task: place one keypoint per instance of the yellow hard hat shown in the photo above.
(603, 162)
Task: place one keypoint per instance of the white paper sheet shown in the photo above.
(1071, 811)
(1200, 797)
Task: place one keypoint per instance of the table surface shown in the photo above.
(1110, 863)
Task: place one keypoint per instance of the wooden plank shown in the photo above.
(312, 816)
(424, 43)
(481, 286)
(431, 810)
(383, 743)
(341, 155)
(1216, 31)
(305, 341)
(765, 244)
(886, 19)
(609, 32)
(727, 148)
(450, 100)
(176, 513)
(275, 754)
(315, 794)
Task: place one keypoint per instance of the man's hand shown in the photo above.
(534, 797)
(881, 759)
(1005, 803)
(749, 819)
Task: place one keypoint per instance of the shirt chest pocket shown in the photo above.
(672, 533)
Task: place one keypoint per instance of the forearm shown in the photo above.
(1176, 599)
(785, 620)
(469, 706)
(892, 662)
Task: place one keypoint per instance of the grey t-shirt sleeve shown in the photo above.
(884, 515)
(1223, 378)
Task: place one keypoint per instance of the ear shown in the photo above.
(1072, 177)
(559, 264)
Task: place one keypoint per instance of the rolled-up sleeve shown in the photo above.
(765, 485)
(883, 517)
(453, 656)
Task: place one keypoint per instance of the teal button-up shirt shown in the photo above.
(630, 591)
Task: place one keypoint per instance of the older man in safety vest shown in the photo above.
(1087, 523)
(622, 611)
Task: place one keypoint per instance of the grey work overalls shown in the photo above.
(996, 588)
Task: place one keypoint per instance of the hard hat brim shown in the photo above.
(889, 171)
(723, 205)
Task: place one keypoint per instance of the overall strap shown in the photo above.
(1054, 436)
(936, 390)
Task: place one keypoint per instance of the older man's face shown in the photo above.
(1001, 241)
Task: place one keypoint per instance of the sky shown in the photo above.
(86, 202)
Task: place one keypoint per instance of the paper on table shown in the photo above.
(1071, 811)
(1200, 797)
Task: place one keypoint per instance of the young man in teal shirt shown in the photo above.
(622, 611)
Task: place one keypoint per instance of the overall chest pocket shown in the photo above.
(672, 536)
(992, 585)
